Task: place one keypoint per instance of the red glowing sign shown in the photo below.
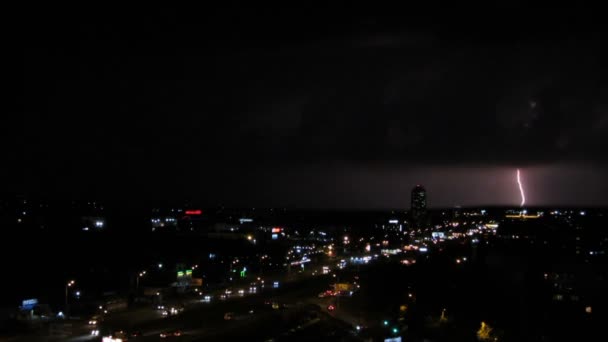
(276, 230)
(193, 212)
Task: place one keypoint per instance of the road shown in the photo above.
(255, 319)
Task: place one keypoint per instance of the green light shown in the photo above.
(395, 330)
(188, 272)
(385, 323)
(180, 274)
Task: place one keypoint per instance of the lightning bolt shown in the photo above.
(521, 189)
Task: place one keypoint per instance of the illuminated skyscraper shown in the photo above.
(418, 210)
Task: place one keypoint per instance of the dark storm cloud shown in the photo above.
(400, 97)
(430, 102)
(256, 102)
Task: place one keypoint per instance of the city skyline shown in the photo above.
(344, 172)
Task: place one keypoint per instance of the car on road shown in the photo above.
(117, 335)
(94, 320)
(171, 333)
(328, 293)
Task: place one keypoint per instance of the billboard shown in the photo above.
(29, 304)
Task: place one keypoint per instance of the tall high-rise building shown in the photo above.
(418, 210)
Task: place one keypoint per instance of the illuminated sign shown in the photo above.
(188, 273)
(193, 212)
(393, 339)
(343, 287)
(276, 230)
(29, 304)
(275, 236)
(393, 221)
(180, 274)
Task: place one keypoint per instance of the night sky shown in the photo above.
(316, 107)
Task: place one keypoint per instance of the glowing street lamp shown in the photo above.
(67, 286)
(141, 274)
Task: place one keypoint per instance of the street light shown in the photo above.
(67, 286)
(141, 274)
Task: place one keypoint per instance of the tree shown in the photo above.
(485, 332)
(443, 318)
